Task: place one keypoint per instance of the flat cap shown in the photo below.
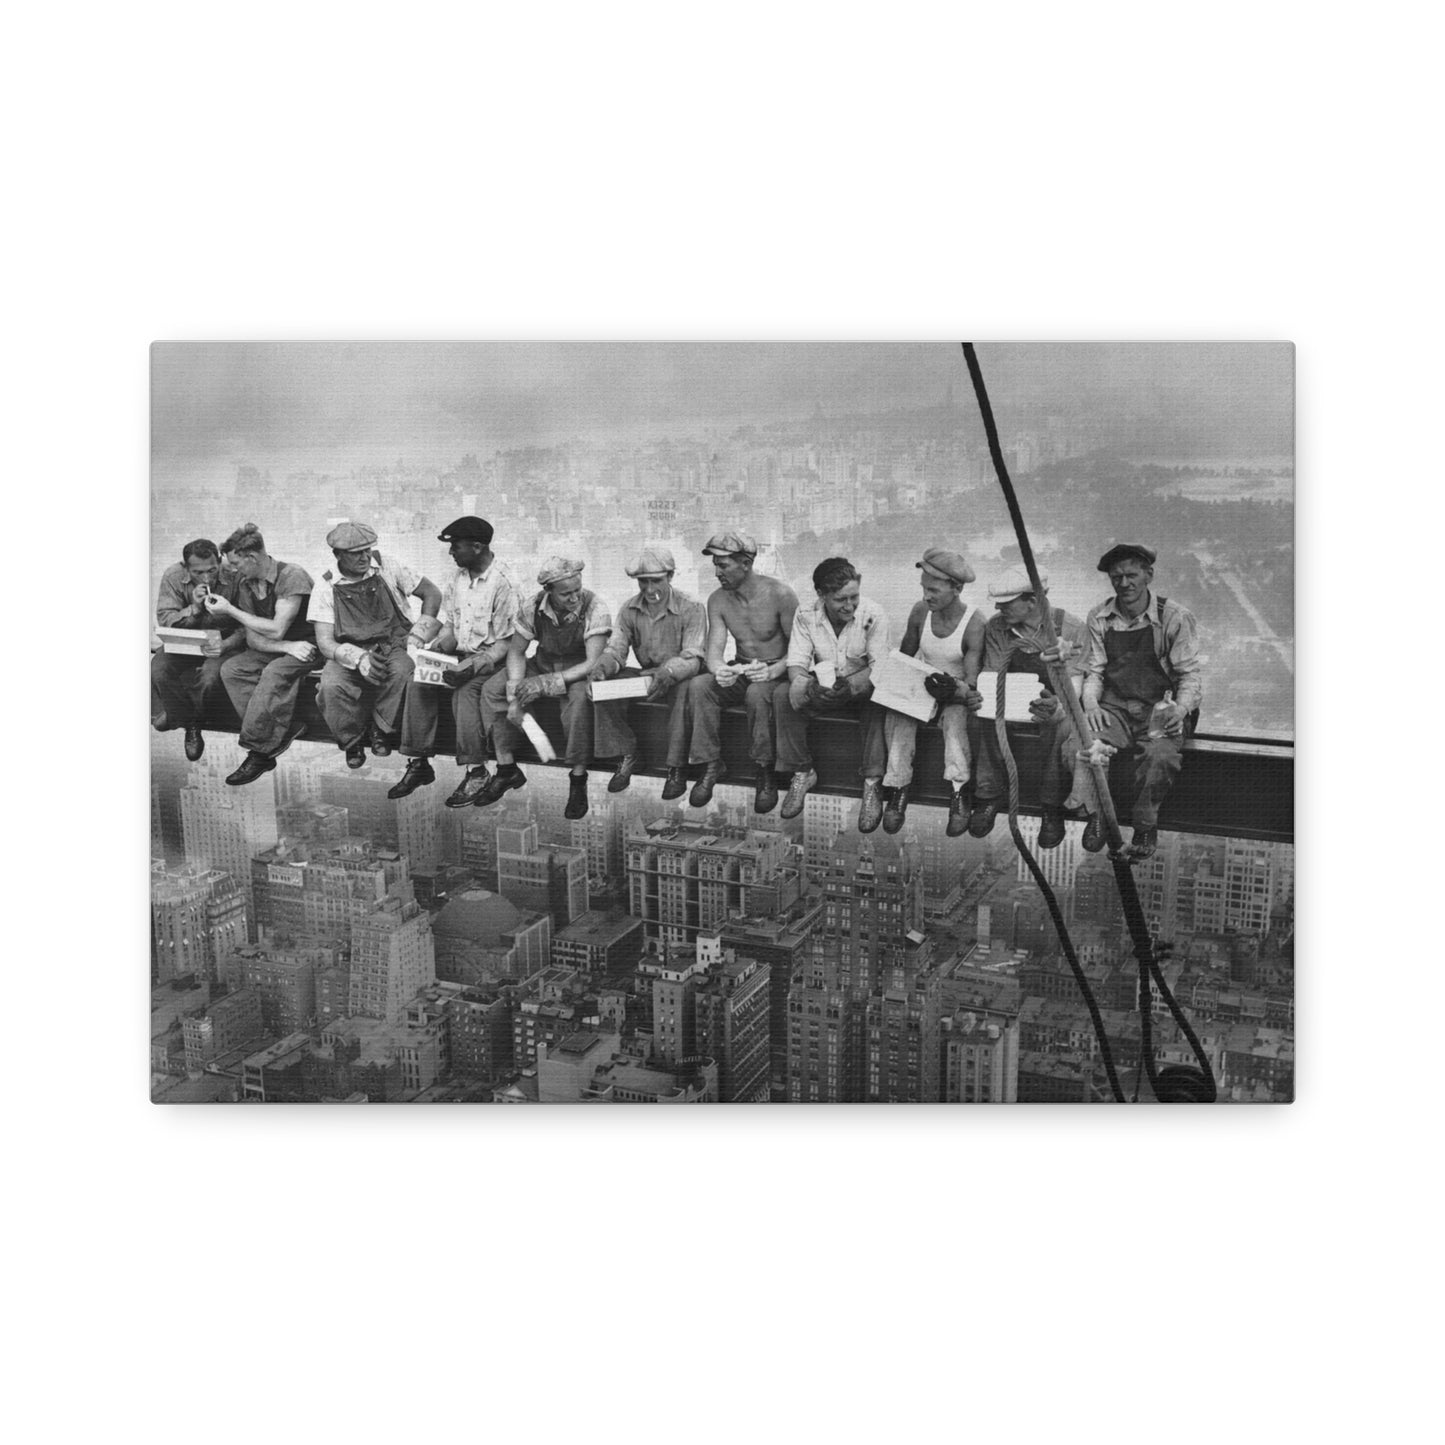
(951, 566)
(651, 562)
(558, 569)
(467, 529)
(1122, 550)
(722, 544)
(1013, 584)
(346, 536)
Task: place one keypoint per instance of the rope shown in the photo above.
(1199, 1085)
(1055, 912)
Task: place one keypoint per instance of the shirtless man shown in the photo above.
(757, 613)
(946, 633)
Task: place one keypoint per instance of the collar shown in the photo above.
(464, 575)
(544, 604)
(1153, 611)
(672, 605)
(373, 570)
(269, 576)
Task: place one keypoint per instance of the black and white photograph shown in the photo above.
(731, 723)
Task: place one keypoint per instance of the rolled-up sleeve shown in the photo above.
(614, 655)
(1095, 659)
(800, 641)
(876, 633)
(1181, 639)
(599, 619)
(694, 639)
(171, 601)
(505, 610)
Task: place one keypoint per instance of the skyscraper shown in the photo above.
(541, 877)
(197, 916)
(392, 959)
(225, 828)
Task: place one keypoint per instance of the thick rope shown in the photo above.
(1202, 1088)
(1055, 912)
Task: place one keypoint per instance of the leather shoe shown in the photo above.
(576, 797)
(701, 794)
(676, 784)
(255, 766)
(1144, 842)
(798, 792)
(870, 814)
(472, 783)
(619, 780)
(417, 775)
(507, 777)
(195, 743)
(1093, 839)
(381, 745)
(958, 812)
(1051, 830)
(356, 755)
(765, 792)
(981, 819)
(895, 808)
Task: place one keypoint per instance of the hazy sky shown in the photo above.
(253, 399)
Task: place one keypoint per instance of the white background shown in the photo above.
(911, 171)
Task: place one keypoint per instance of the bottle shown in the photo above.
(1162, 714)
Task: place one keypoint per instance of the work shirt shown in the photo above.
(175, 594)
(680, 632)
(481, 610)
(397, 575)
(1017, 649)
(862, 643)
(597, 618)
(1176, 646)
(260, 595)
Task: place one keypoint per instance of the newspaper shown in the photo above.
(432, 667)
(1021, 689)
(187, 641)
(616, 688)
(898, 684)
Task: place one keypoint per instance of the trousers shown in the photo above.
(349, 702)
(1157, 764)
(992, 778)
(423, 708)
(794, 754)
(706, 701)
(576, 715)
(615, 737)
(901, 733)
(182, 689)
(264, 688)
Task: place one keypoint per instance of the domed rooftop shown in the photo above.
(478, 915)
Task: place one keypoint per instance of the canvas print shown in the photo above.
(722, 723)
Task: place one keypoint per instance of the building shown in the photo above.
(731, 1024)
(392, 960)
(479, 1030)
(686, 878)
(541, 877)
(482, 939)
(901, 1051)
(224, 1025)
(314, 893)
(283, 978)
(587, 1066)
(980, 1057)
(599, 943)
(224, 828)
(197, 916)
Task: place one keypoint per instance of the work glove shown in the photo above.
(552, 685)
(425, 630)
(800, 692)
(1046, 709)
(941, 686)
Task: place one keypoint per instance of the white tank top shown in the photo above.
(944, 654)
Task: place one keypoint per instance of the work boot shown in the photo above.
(980, 820)
(701, 794)
(195, 743)
(619, 780)
(958, 812)
(507, 777)
(381, 745)
(870, 813)
(765, 792)
(1144, 842)
(798, 792)
(1093, 839)
(895, 808)
(464, 795)
(1051, 830)
(676, 784)
(417, 775)
(576, 797)
(256, 765)
(356, 755)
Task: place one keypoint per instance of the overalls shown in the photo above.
(560, 645)
(368, 616)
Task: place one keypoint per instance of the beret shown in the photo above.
(1122, 550)
(726, 543)
(1012, 584)
(467, 529)
(558, 569)
(347, 536)
(952, 566)
(651, 562)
